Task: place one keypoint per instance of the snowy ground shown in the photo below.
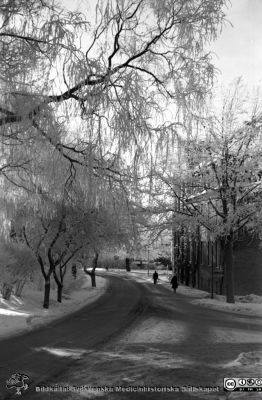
(165, 347)
(250, 304)
(26, 313)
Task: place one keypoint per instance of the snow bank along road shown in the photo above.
(136, 334)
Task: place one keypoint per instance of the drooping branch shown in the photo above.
(121, 19)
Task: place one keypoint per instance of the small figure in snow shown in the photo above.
(74, 271)
(174, 282)
(155, 277)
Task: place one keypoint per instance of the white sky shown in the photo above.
(239, 48)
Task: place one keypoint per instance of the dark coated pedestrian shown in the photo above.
(174, 283)
(155, 277)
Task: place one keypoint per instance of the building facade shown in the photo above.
(198, 261)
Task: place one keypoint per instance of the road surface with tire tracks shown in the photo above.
(124, 307)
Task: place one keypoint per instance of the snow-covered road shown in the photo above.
(48, 351)
(171, 344)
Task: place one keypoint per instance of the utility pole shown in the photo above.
(172, 245)
(147, 260)
(212, 272)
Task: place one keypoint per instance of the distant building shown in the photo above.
(200, 262)
(199, 258)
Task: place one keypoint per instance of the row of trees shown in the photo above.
(53, 232)
(98, 115)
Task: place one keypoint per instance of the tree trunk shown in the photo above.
(59, 284)
(47, 281)
(92, 275)
(229, 266)
(59, 292)
(93, 272)
(198, 263)
(47, 293)
(128, 269)
(93, 278)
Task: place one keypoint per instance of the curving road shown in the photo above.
(136, 332)
(33, 353)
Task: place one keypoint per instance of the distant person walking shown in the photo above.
(155, 277)
(74, 271)
(174, 283)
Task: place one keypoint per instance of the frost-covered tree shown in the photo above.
(88, 98)
(41, 234)
(59, 227)
(217, 182)
(117, 72)
(112, 228)
(230, 192)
